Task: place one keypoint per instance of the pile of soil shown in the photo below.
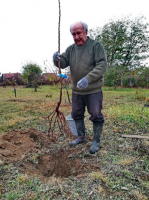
(16, 144)
(38, 154)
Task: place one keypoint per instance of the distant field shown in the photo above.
(29, 108)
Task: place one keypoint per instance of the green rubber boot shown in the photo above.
(80, 126)
(97, 129)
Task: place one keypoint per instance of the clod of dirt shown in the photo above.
(1, 162)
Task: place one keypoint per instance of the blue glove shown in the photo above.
(63, 76)
(56, 56)
(83, 83)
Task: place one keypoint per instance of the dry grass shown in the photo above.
(139, 196)
(147, 99)
(98, 176)
(125, 161)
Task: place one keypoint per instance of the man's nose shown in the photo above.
(76, 36)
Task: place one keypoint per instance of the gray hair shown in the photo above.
(85, 26)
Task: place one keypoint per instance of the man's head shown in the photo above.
(79, 32)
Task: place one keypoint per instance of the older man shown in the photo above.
(87, 61)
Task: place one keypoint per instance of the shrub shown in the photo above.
(129, 81)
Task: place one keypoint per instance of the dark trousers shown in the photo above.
(93, 102)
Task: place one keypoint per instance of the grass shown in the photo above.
(98, 176)
(124, 163)
(29, 108)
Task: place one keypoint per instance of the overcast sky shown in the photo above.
(29, 28)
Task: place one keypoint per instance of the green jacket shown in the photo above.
(88, 60)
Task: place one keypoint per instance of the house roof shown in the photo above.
(11, 75)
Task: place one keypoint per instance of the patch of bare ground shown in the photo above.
(38, 154)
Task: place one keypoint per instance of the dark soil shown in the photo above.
(38, 154)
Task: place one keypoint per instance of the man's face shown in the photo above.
(78, 34)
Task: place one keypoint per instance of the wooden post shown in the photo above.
(15, 92)
(135, 136)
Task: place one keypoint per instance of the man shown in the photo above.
(87, 61)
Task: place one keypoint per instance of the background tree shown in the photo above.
(31, 73)
(126, 42)
(143, 77)
(112, 77)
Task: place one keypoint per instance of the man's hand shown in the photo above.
(83, 83)
(56, 56)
